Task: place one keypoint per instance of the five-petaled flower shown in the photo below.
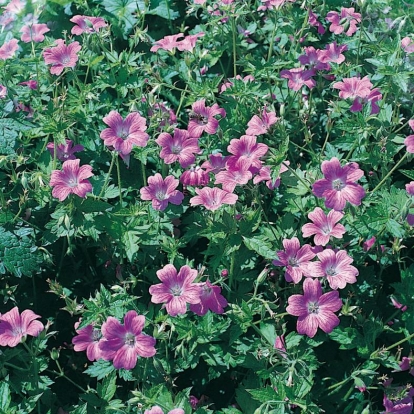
(123, 343)
(339, 184)
(88, 338)
(212, 198)
(15, 326)
(9, 49)
(210, 299)
(298, 77)
(66, 151)
(323, 226)
(162, 192)
(34, 33)
(87, 24)
(72, 179)
(295, 258)
(176, 289)
(314, 309)
(344, 22)
(260, 125)
(61, 56)
(202, 118)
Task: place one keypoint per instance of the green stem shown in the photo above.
(233, 29)
(389, 173)
(118, 170)
(114, 155)
(407, 338)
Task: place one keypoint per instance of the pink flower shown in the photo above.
(236, 174)
(398, 305)
(162, 192)
(34, 33)
(189, 42)
(9, 49)
(32, 84)
(176, 289)
(265, 175)
(167, 43)
(163, 115)
(313, 58)
(323, 226)
(72, 179)
(273, 4)
(408, 45)
(230, 82)
(335, 266)
(280, 345)
(410, 188)
(88, 339)
(14, 326)
(62, 56)
(339, 185)
(87, 24)
(314, 309)
(195, 177)
(409, 141)
(124, 134)
(259, 126)
(369, 243)
(313, 21)
(158, 410)
(298, 77)
(333, 53)
(295, 258)
(210, 299)
(212, 198)
(202, 118)
(14, 6)
(247, 150)
(179, 148)
(346, 21)
(66, 151)
(124, 343)
(3, 91)
(215, 164)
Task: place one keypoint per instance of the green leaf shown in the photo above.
(107, 389)
(9, 128)
(130, 240)
(162, 9)
(90, 205)
(264, 395)
(349, 338)
(18, 254)
(5, 397)
(260, 246)
(100, 369)
(125, 11)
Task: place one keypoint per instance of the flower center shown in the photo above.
(72, 181)
(293, 262)
(176, 149)
(337, 184)
(313, 307)
(331, 271)
(129, 339)
(96, 334)
(176, 290)
(160, 195)
(326, 229)
(65, 59)
(123, 133)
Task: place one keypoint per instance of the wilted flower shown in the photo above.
(369, 243)
(346, 21)
(66, 151)
(71, 180)
(15, 326)
(408, 45)
(87, 24)
(34, 33)
(167, 43)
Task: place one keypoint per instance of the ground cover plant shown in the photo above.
(206, 206)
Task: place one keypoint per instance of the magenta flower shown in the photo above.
(313, 58)
(158, 410)
(313, 21)
(66, 151)
(88, 339)
(123, 134)
(333, 53)
(410, 219)
(273, 4)
(295, 258)
(298, 77)
(410, 188)
(87, 24)
(31, 84)
(323, 226)
(230, 82)
(215, 164)
(210, 299)
(195, 177)
(179, 148)
(346, 21)
(167, 43)
(236, 174)
(409, 141)
(369, 243)
(339, 185)
(61, 56)
(34, 33)
(14, 326)
(245, 149)
(162, 192)
(202, 118)
(212, 198)
(314, 309)
(124, 343)
(3, 91)
(8, 49)
(265, 175)
(259, 126)
(176, 289)
(71, 180)
(335, 266)
(408, 45)
(402, 406)
(280, 344)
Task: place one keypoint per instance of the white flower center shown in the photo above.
(313, 307)
(129, 339)
(338, 184)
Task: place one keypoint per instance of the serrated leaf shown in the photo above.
(107, 389)
(162, 9)
(130, 240)
(264, 395)
(100, 369)
(90, 205)
(408, 173)
(5, 397)
(259, 246)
